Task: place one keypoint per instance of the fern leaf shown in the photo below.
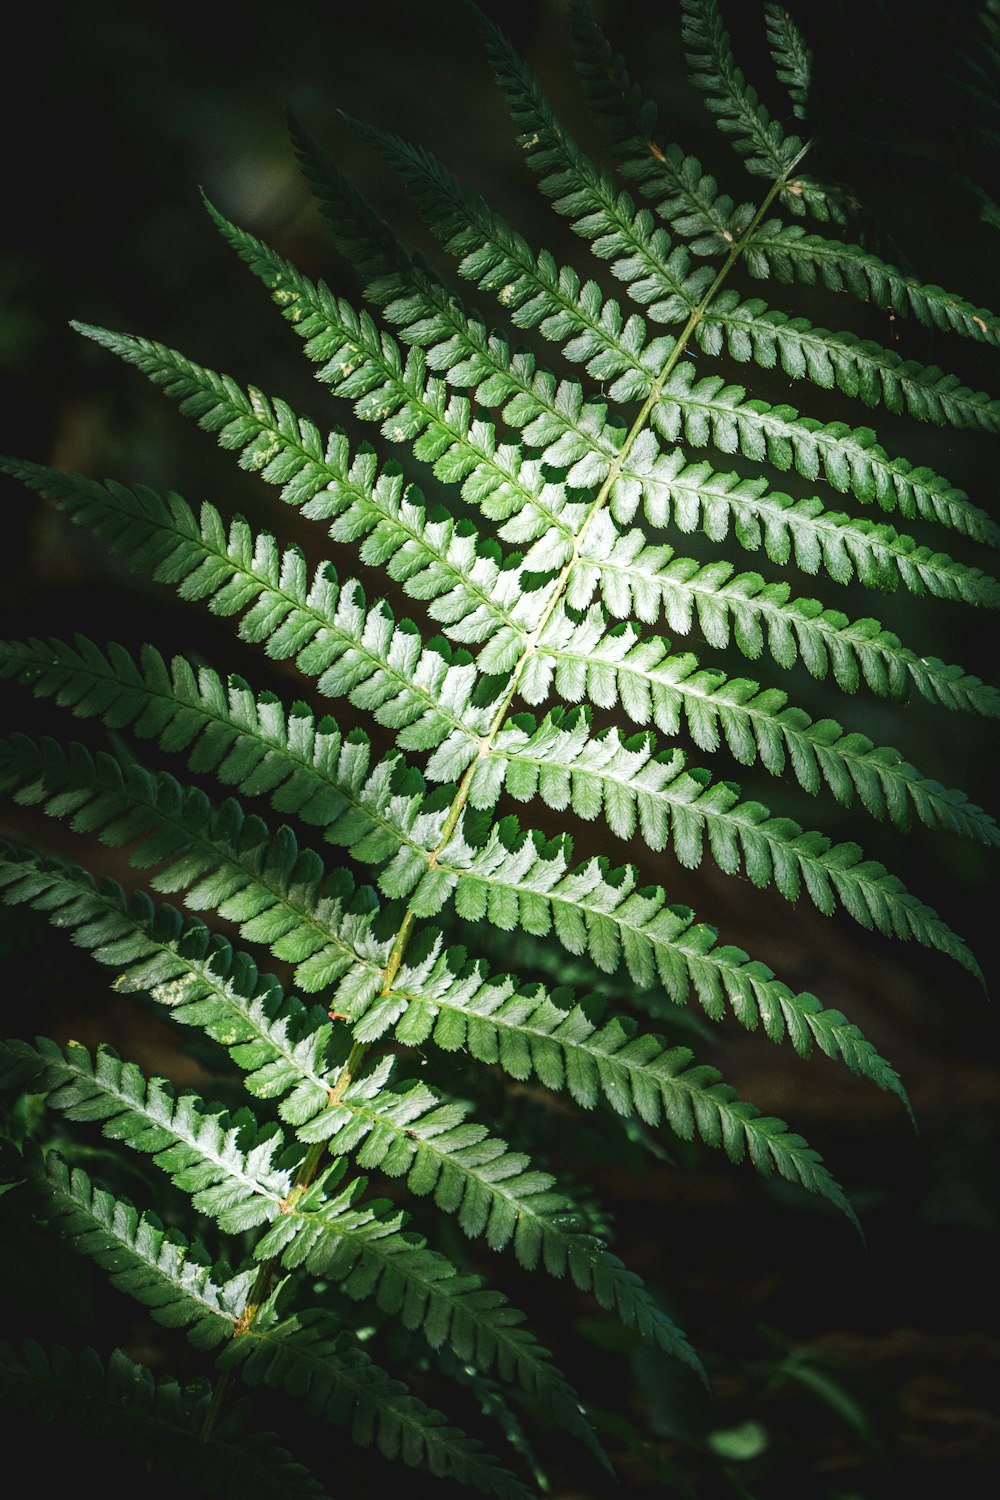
(154, 1419)
(363, 1248)
(554, 758)
(424, 692)
(691, 201)
(692, 495)
(631, 787)
(360, 363)
(788, 253)
(452, 1305)
(768, 152)
(586, 659)
(527, 1030)
(220, 858)
(227, 1164)
(143, 1260)
(749, 330)
(471, 589)
(252, 742)
(325, 1369)
(408, 1129)
(851, 460)
(639, 254)
(792, 57)
(194, 973)
(518, 879)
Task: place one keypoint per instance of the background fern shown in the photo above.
(570, 761)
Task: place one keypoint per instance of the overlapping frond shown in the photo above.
(528, 1029)
(220, 858)
(767, 150)
(365, 1249)
(284, 1049)
(519, 879)
(325, 1369)
(228, 1164)
(157, 1421)
(145, 1261)
(690, 199)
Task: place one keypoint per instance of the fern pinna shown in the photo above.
(548, 663)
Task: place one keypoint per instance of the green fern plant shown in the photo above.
(536, 685)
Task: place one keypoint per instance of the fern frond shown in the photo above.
(220, 858)
(594, 332)
(253, 742)
(153, 1418)
(768, 152)
(226, 1163)
(425, 1289)
(558, 759)
(692, 204)
(586, 659)
(573, 431)
(692, 495)
(361, 363)
(639, 253)
(792, 57)
(632, 787)
(323, 1367)
(363, 1247)
(527, 1030)
(750, 330)
(280, 1046)
(142, 1259)
(470, 587)
(424, 692)
(518, 879)
(407, 1129)
(788, 253)
(850, 459)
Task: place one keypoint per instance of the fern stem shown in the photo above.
(310, 1163)
(559, 587)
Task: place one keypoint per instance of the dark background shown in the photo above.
(839, 1370)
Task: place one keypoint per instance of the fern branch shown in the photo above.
(570, 430)
(250, 741)
(528, 1030)
(633, 787)
(366, 1248)
(321, 1366)
(195, 974)
(517, 879)
(792, 57)
(850, 459)
(221, 859)
(362, 364)
(423, 692)
(587, 659)
(593, 332)
(639, 254)
(472, 589)
(361, 1246)
(407, 1129)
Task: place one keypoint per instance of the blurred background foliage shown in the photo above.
(840, 1371)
